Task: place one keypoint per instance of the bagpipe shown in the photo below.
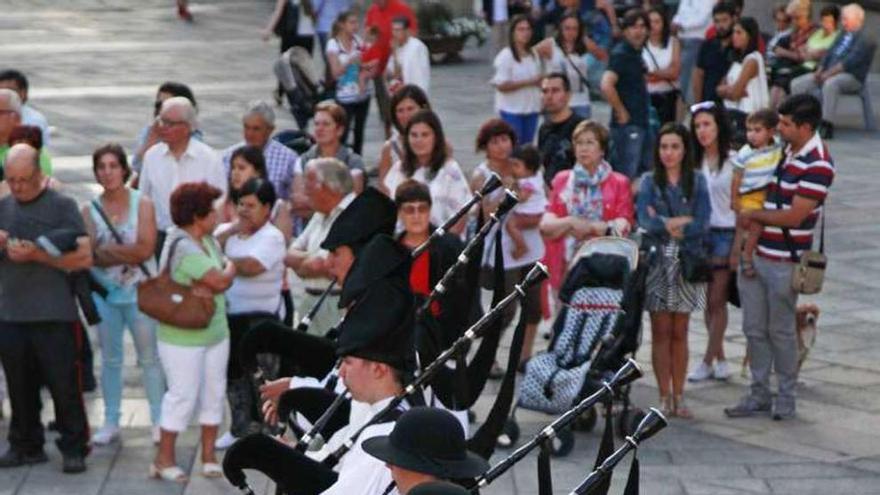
(238, 459)
(273, 339)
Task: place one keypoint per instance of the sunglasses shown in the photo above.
(703, 105)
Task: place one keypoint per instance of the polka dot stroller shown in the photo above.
(597, 328)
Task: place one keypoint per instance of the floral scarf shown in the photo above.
(584, 198)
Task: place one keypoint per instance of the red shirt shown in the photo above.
(420, 279)
(381, 18)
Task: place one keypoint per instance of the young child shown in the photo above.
(370, 55)
(525, 164)
(754, 166)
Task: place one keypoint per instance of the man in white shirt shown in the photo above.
(410, 62)
(376, 346)
(176, 160)
(258, 124)
(328, 185)
(690, 23)
(16, 81)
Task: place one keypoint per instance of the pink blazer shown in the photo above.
(617, 202)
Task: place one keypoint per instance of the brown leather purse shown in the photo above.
(169, 302)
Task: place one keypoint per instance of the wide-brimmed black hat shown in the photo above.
(381, 257)
(370, 213)
(379, 326)
(437, 488)
(428, 440)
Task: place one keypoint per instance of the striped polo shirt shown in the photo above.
(808, 174)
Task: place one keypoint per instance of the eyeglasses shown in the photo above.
(412, 209)
(16, 181)
(703, 105)
(163, 122)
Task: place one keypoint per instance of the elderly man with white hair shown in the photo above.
(258, 124)
(329, 189)
(845, 65)
(177, 159)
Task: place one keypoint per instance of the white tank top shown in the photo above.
(658, 58)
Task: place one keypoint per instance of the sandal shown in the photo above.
(680, 408)
(212, 470)
(170, 473)
(666, 406)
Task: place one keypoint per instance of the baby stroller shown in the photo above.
(597, 328)
(295, 70)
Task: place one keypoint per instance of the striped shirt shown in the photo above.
(758, 166)
(808, 174)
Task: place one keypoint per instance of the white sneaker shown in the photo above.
(702, 372)
(721, 371)
(225, 441)
(156, 434)
(106, 435)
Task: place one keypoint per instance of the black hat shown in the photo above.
(370, 213)
(428, 440)
(381, 257)
(437, 488)
(379, 326)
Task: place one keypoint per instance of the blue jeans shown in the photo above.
(630, 149)
(524, 125)
(114, 319)
(595, 68)
(690, 49)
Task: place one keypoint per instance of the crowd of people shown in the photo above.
(712, 157)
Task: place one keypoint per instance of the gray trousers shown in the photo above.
(326, 318)
(768, 306)
(829, 92)
(690, 49)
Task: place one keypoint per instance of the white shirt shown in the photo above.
(507, 69)
(659, 58)
(722, 215)
(449, 188)
(536, 204)
(575, 67)
(261, 292)
(757, 93)
(415, 63)
(31, 116)
(359, 472)
(162, 173)
(694, 17)
(314, 234)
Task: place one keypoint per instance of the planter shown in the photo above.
(444, 49)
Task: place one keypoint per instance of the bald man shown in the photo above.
(38, 313)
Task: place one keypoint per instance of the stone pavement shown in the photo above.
(94, 66)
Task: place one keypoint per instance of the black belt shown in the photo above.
(318, 292)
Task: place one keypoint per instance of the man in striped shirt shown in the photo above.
(794, 203)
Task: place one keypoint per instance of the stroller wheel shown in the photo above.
(629, 421)
(509, 435)
(563, 442)
(586, 421)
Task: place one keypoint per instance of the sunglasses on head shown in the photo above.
(703, 105)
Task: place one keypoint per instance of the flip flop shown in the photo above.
(170, 473)
(212, 470)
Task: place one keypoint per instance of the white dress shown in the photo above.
(449, 188)
(757, 93)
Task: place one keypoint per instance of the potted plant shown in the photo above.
(445, 34)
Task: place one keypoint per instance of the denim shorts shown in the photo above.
(720, 242)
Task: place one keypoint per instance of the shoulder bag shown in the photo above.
(809, 268)
(169, 302)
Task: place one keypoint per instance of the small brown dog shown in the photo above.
(806, 320)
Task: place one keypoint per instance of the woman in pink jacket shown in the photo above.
(590, 200)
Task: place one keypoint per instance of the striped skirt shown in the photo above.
(666, 290)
